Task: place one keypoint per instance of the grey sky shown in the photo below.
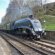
(4, 4)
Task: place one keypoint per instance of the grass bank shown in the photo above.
(50, 22)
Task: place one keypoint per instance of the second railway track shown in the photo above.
(47, 41)
(45, 46)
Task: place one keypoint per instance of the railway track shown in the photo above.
(24, 48)
(15, 49)
(41, 46)
(45, 46)
(47, 41)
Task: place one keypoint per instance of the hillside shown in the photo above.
(49, 16)
(50, 22)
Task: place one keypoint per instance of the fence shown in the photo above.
(50, 35)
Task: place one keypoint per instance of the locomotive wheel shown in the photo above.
(37, 38)
(32, 37)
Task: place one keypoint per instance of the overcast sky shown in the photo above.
(51, 0)
(4, 5)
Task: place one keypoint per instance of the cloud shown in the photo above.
(3, 7)
(2, 13)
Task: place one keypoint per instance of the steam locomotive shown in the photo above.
(29, 27)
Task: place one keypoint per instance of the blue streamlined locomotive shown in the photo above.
(29, 27)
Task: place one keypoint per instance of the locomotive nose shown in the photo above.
(39, 32)
(40, 29)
